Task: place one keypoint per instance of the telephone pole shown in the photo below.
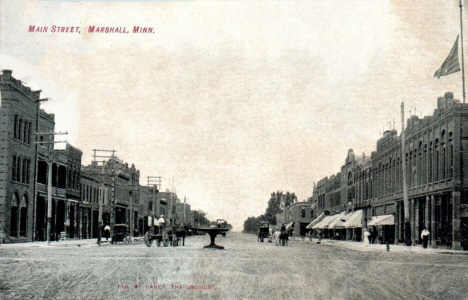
(110, 158)
(153, 183)
(36, 165)
(50, 160)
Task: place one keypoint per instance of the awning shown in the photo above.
(318, 219)
(355, 220)
(326, 222)
(338, 221)
(382, 220)
(288, 227)
(320, 224)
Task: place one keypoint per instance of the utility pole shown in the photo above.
(113, 173)
(153, 182)
(50, 159)
(406, 206)
(185, 203)
(36, 165)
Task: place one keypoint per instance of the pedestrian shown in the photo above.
(310, 236)
(161, 222)
(425, 237)
(319, 235)
(366, 237)
(107, 232)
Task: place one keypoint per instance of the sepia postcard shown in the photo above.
(264, 149)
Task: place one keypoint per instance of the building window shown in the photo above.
(29, 171)
(25, 131)
(29, 133)
(303, 213)
(13, 173)
(18, 169)
(14, 216)
(25, 170)
(23, 215)
(15, 133)
(20, 129)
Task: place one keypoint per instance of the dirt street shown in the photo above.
(247, 269)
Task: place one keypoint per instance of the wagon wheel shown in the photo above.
(158, 242)
(165, 239)
(148, 240)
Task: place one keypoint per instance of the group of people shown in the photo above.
(369, 237)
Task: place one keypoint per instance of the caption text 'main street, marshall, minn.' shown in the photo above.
(89, 29)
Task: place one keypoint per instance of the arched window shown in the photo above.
(14, 215)
(24, 215)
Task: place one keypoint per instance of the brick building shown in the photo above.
(116, 185)
(436, 178)
(19, 118)
(66, 181)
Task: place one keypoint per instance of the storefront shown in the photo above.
(353, 226)
(382, 229)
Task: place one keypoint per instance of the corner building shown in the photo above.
(436, 155)
(20, 116)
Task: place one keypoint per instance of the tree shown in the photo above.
(274, 207)
(200, 218)
(277, 202)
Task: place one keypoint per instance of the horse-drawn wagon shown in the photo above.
(120, 234)
(168, 236)
(264, 232)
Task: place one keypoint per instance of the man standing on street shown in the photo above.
(161, 224)
(425, 237)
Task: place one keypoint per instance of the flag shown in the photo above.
(450, 64)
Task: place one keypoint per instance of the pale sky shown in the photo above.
(234, 99)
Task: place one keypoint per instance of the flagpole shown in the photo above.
(462, 56)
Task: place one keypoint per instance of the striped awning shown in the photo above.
(288, 227)
(326, 222)
(355, 220)
(382, 220)
(338, 221)
(318, 219)
(320, 224)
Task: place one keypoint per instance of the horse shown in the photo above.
(276, 238)
(180, 233)
(176, 234)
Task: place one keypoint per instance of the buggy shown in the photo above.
(264, 232)
(121, 234)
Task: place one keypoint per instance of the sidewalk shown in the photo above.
(67, 243)
(359, 246)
